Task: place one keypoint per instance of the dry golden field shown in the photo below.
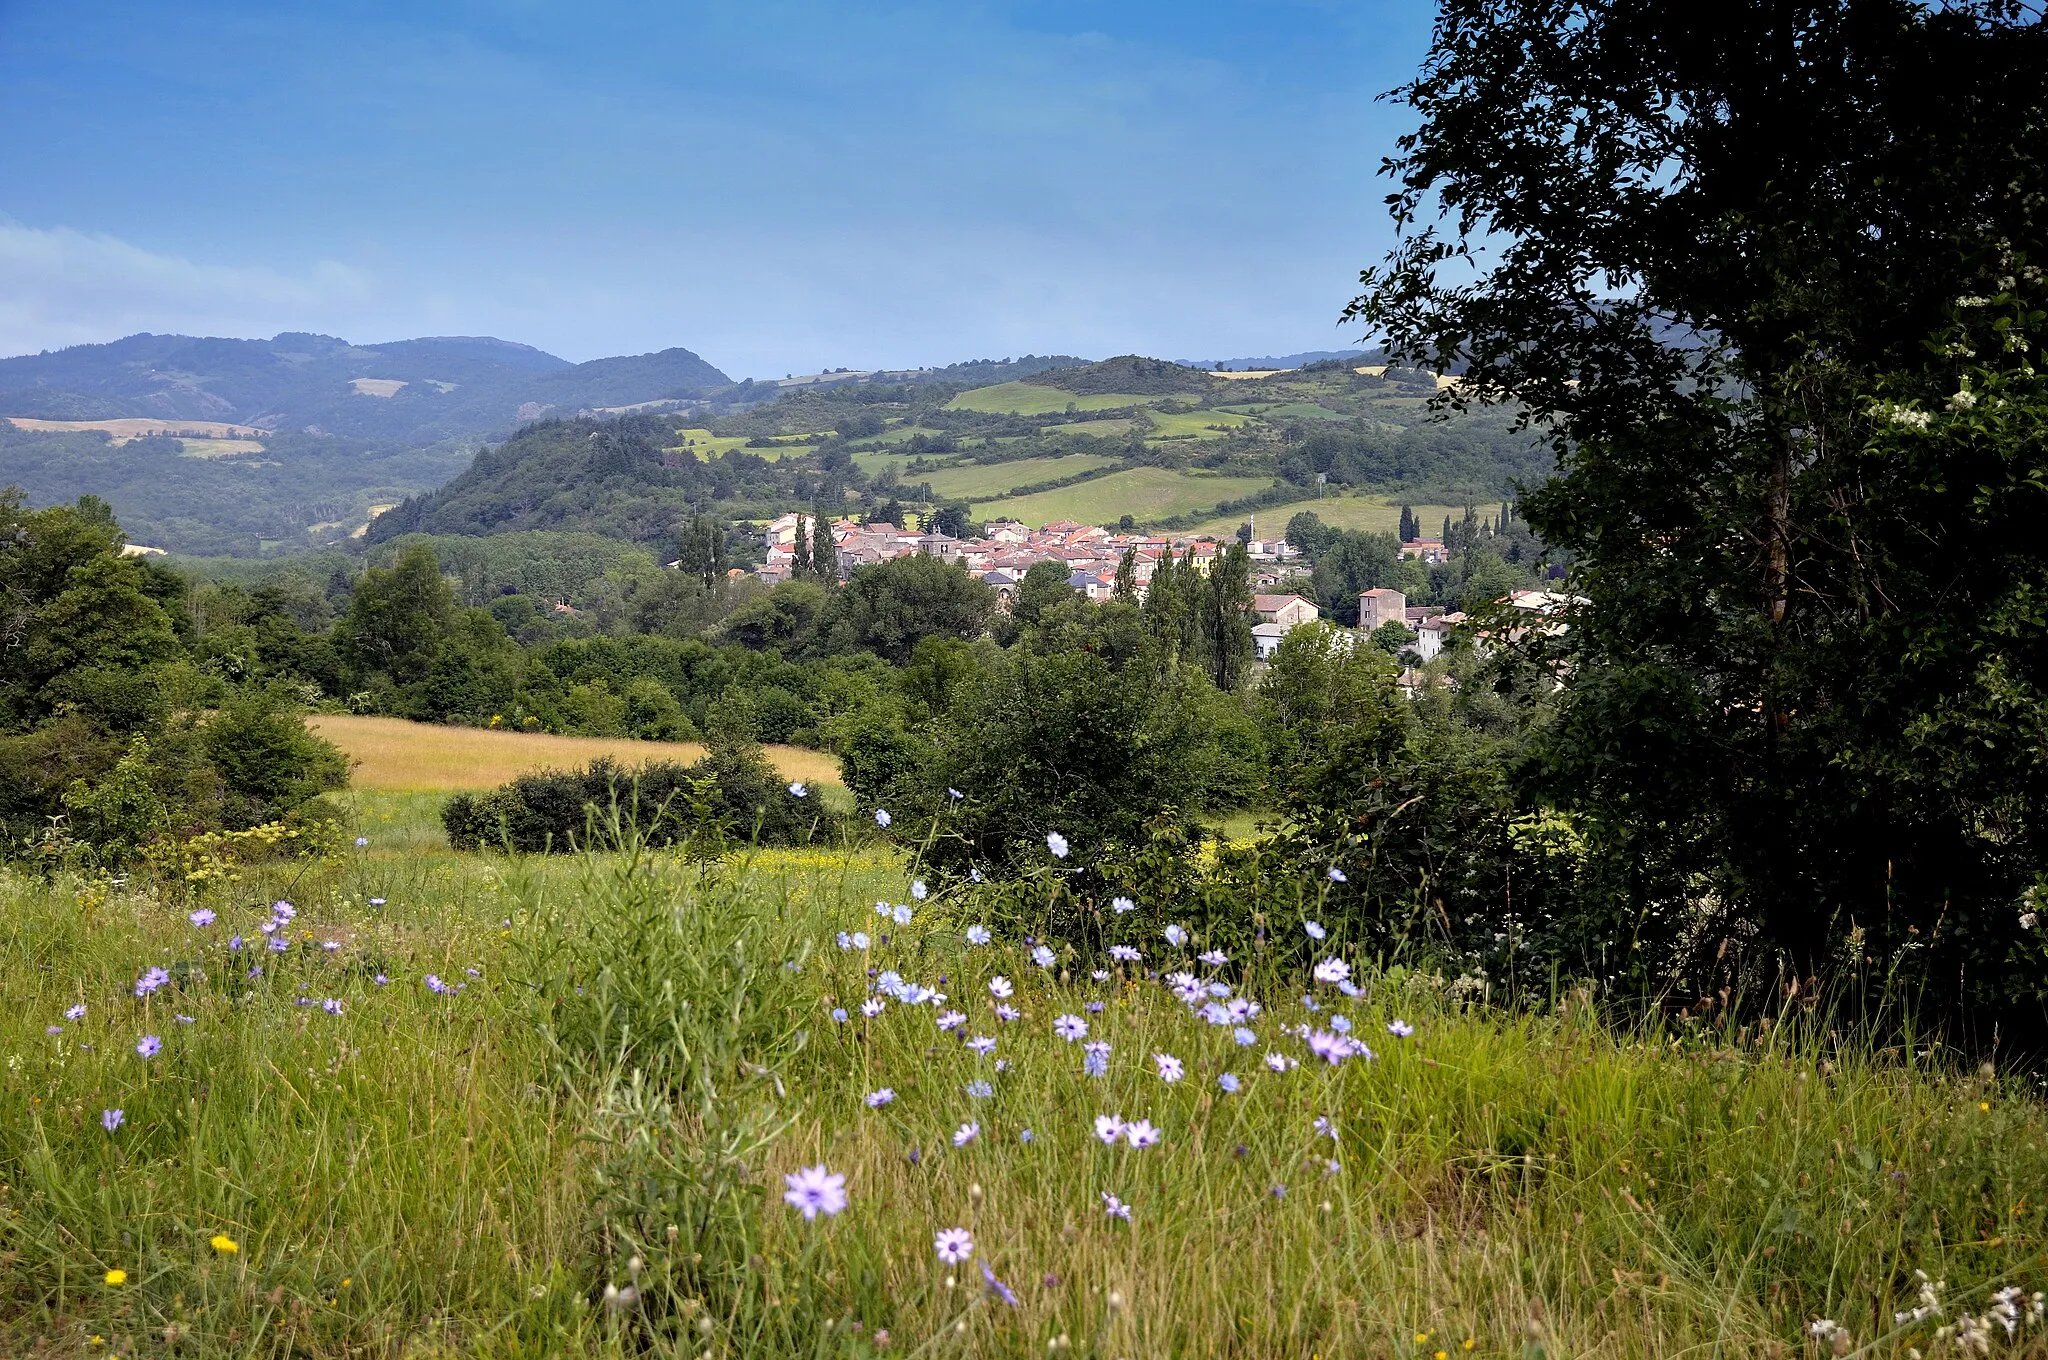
(409, 757)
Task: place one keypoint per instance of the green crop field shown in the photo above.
(1029, 399)
(984, 481)
(1145, 493)
(1100, 429)
(1302, 410)
(624, 1104)
(903, 434)
(1200, 424)
(1373, 514)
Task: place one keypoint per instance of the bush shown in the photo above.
(269, 763)
(730, 796)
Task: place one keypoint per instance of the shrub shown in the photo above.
(731, 795)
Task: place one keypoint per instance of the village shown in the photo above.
(1092, 554)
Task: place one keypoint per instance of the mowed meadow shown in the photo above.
(409, 1102)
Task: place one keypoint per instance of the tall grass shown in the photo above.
(648, 1044)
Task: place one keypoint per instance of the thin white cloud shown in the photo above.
(59, 286)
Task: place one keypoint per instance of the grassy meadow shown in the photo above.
(1148, 493)
(1372, 514)
(989, 481)
(480, 1106)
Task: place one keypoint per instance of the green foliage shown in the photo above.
(399, 617)
(269, 764)
(888, 607)
(732, 796)
(120, 813)
(1793, 517)
(104, 749)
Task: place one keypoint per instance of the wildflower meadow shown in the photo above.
(804, 1103)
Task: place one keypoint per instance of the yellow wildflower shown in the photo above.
(225, 1245)
(117, 1276)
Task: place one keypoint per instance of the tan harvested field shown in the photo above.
(378, 387)
(136, 427)
(410, 757)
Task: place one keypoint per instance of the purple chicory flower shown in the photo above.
(150, 981)
(331, 1006)
(953, 1245)
(1070, 1028)
(113, 1119)
(881, 818)
(877, 1099)
(75, 1012)
(1314, 928)
(1170, 1069)
(1109, 1128)
(203, 917)
(813, 1190)
(997, 1287)
(1139, 1133)
(1115, 1207)
(1056, 843)
(149, 1046)
(1095, 1058)
(966, 1134)
(977, 935)
(1229, 1082)
(1400, 1029)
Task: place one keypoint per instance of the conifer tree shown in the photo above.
(800, 564)
(1126, 591)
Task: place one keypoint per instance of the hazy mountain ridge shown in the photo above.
(418, 390)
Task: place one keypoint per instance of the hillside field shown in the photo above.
(1370, 514)
(992, 481)
(1145, 493)
(394, 755)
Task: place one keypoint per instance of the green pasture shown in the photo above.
(986, 481)
(1200, 424)
(1145, 493)
(1370, 514)
(1099, 429)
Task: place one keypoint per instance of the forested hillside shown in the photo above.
(1163, 445)
(407, 391)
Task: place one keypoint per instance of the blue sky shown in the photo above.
(779, 186)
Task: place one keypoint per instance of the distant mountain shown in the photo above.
(410, 391)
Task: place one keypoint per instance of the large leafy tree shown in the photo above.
(1751, 267)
